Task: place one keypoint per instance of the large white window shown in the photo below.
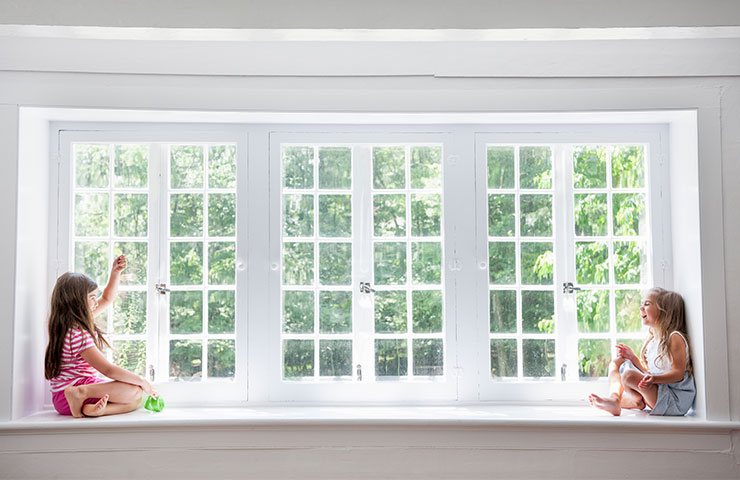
(366, 240)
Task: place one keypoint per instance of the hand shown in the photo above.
(626, 352)
(646, 382)
(119, 264)
(147, 387)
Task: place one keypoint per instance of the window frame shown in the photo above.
(157, 136)
(658, 211)
(465, 370)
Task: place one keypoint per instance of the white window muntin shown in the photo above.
(423, 389)
(157, 137)
(560, 137)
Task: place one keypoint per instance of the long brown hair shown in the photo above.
(69, 309)
(671, 318)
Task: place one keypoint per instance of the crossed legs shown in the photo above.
(115, 397)
(624, 391)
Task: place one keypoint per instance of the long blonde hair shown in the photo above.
(671, 318)
(69, 309)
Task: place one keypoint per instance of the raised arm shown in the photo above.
(111, 288)
(101, 364)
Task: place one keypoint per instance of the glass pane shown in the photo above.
(186, 263)
(593, 311)
(539, 358)
(297, 263)
(298, 215)
(136, 256)
(91, 258)
(130, 215)
(426, 167)
(426, 263)
(298, 312)
(186, 360)
(500, 167)
(629, 214)
(390, 312)
(222, 214)
(589, 167)
(426, 215)
(628, 167)
(391, 358)
(186, 312)
(628, 310)
(298, 167)
(389, 215)
(221, 311)
(390, 263)
(335, 312)
(335, 358)
(130, 355)
(501, 215)
(221, 358)
(428, 357)
(593, 358)
(502, 262)
(131, 166)
(186, 215)
(335, 215)
(536, 215)
(91, 166)
(538, 312)
(535, 167)
(629, 263)
(221, 263)
(186, 166)
(503, 357)
(91, 214)
(129, 313)
(426, 311)
(502, 308)
(335, 167)
(298, 358)
(222, 166)
(592, 263)
(335, 263)
(590, 214)
(389, 167)
(537, 263)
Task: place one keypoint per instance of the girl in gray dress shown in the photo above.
(661, 378)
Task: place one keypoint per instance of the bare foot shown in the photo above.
(75, 398)
(609, 404)
(97, 409)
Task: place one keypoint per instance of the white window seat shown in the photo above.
(438, 416)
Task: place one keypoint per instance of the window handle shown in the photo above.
(568, 287)
(365, 287)
(161, 288)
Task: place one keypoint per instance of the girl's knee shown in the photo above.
(135, 394)
(616, 363)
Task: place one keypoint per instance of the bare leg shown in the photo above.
(118, 392)
(649, 395)
(612, 403)
(113, 408)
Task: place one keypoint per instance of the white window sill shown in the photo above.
(541, 417)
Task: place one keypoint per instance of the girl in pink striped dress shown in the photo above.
(73, 357)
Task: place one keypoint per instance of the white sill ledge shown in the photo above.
(491, 416)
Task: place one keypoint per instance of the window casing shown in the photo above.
(466, 370)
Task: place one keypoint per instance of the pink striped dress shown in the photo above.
(74, 367)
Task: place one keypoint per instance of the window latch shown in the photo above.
(161, 288)
(151, 373)
(359, 372)
(562, 372)
(568, 287)
(365, 287)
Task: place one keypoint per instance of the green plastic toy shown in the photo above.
(154, 404)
